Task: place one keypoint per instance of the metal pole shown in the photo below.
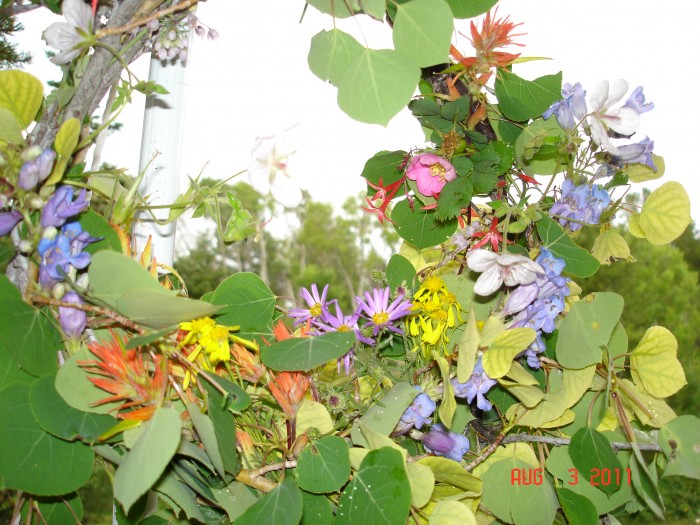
(161, 144)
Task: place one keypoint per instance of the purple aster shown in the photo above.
(72, 320)
(441, 442)
(8, 221)
(380, 313)
(476, 386)
(636, 101)
(35, 171)
(640, 152)
(342, 323)
(61, 206)
(571, 109)
(315, 302)
(581, 204)
(417, 415)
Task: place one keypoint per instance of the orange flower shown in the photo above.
(126, 375)
(495, 33)
(246, 363)
(289, 389)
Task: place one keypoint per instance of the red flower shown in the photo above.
(384, 195)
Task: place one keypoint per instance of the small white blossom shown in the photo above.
(603, 117)
(269, 172)
(70, 37)
(496, 270)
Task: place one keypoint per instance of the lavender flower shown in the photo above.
(441, 442)
(636, 101)
(315, 302)
(72, 320)
(380, 313)
(640, 152)
(61, 253)
(61, 206)
(417, 415)
(582, 204)
(35, 171)
(572, 109)
(476, 386)
(8, 221)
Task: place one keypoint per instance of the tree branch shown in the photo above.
(558, 442)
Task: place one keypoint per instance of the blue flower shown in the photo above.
(417, 415)
(61, 253)
(580, 205)
(441, 442)
(61, 206)
(476, 386)
(35, 171)
(640, 152)
(572, 109)
(636, 101)
(72, 320)
(8, 221)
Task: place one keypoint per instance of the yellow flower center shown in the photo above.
(380, 318)
(433, 284)
(343, 328)
(436, 170)
(316, 310)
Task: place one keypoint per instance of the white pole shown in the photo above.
(162, 137)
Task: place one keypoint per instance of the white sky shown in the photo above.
(254, 81)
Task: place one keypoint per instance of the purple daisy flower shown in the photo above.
(315, 302)
(380, 313)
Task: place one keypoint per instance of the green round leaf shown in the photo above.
(470, 8)
(665, 213)
(420, 227)
(324, 466)
(377, 85)
(383, 169)
(247, 302)
(282, 506)
(680, 440)
(522, 100)
(579, 262)
(591, 452)
(330, 54)
(22, 94)
(383, 416)
(305, 353)
(33, 460)
(577, 509)
(399, 272)
(337, 8)
(378, 493)
(423, 31)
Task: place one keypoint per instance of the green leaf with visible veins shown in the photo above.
(454, 196)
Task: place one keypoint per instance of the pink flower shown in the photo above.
(431, 172)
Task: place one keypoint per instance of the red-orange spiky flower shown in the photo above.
(289, 389)
(125, 374)
(495, 33)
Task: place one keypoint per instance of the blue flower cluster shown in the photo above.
(442, 442)
(417, 415)
(571, 109)
(547, 294)
(580, 205)
(476, 386)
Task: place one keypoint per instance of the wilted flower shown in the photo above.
(315, 302)
(508, 268)
(580, 204)
(73, 35)
(604, 118)
(269, 169)
(73, 321)
(431, 172)
(476, 386)
(61, 206)
(417, 414)
(441, 442)
(571, 109)
(35, 171)
(380, 313)
(8, 221)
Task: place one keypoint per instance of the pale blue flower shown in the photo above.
(441, 442)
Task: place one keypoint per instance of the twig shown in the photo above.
(558, 442)
(128, 323)
(255, 477)
(185, 4)
(18, 9)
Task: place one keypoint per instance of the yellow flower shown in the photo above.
(437, 311)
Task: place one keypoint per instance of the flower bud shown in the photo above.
(25, 246)
(72, 320)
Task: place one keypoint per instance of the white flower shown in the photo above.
(269, 172)
(623, 120)
(496, 270)
(70, 37)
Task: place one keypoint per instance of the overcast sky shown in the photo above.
(254, 81)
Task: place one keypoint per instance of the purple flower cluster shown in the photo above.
(442, 442)
(539, 303)
(61, 207)
(582, 204)
(417, 415)
(374, 308)
(61, 252)
(37, 170)
(8, 221)
(571, 109)
(476, 386)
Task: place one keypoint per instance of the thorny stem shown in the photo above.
(185, 4)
